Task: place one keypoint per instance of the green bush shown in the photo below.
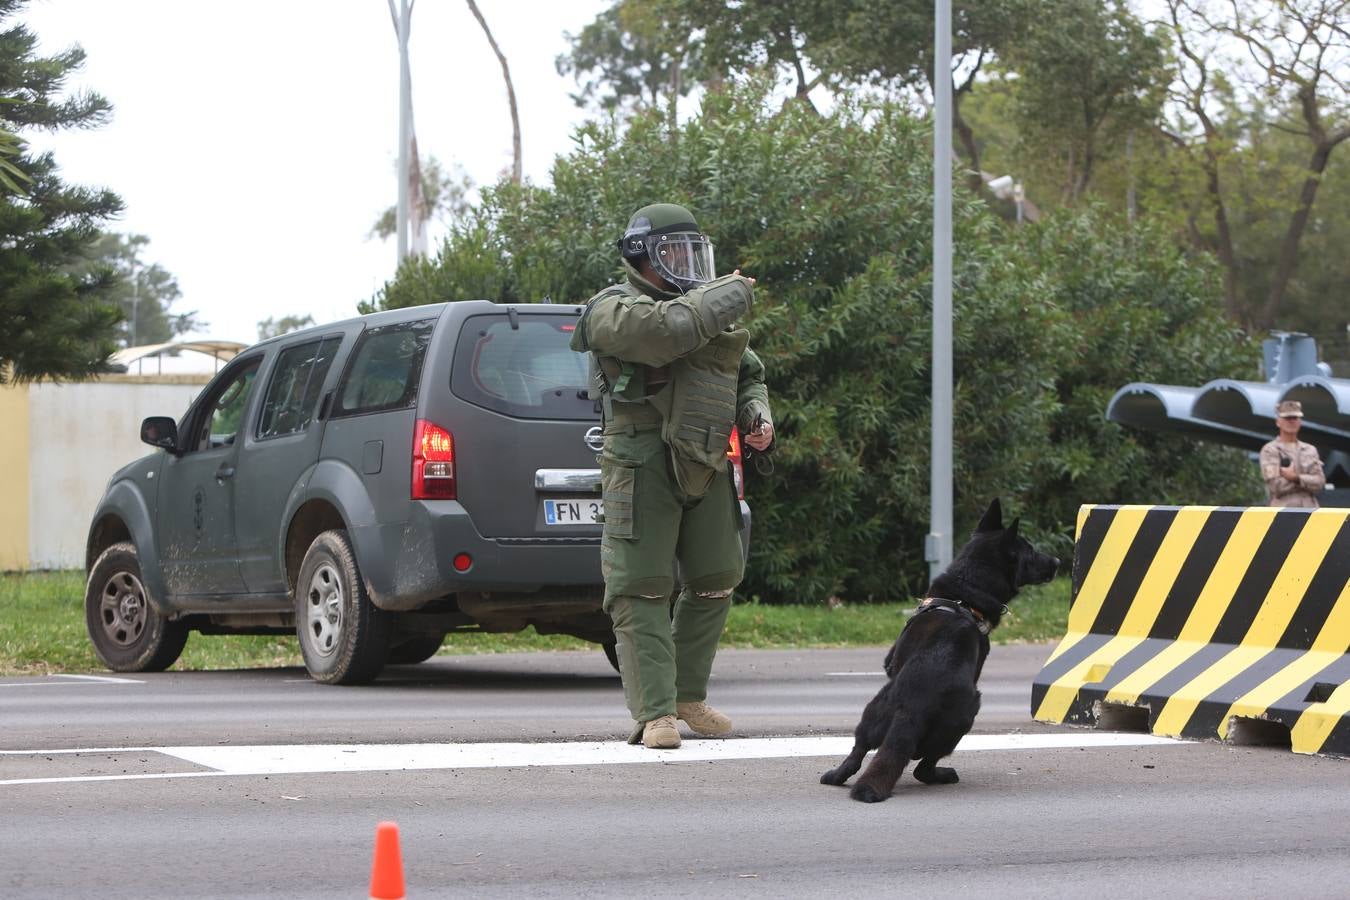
(1135, 308)
(832, 215)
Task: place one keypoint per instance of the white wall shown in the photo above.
(79, 434)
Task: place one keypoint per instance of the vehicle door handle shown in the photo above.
(224, 472)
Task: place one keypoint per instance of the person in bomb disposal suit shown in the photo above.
(1292, 469)
(675, 374)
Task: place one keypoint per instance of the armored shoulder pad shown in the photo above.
(580, 341)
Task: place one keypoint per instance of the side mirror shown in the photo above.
(160, 431)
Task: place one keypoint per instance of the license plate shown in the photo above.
(573, 512)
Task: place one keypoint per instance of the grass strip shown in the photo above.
(42, 629)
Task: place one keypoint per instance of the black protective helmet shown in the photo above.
(667, 235)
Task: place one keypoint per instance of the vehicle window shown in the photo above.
(224, 410)
(385, 369)
(528, 371)
(293, 393)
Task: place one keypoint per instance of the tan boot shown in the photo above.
(659, 734)
(703, 719)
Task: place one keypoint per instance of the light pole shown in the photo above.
(135, 301)
(938, 545)
(402, 24)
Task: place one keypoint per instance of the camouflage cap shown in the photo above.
(1289, 409)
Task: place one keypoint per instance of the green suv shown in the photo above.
(372, 485)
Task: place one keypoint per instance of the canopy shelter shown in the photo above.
(177, 357)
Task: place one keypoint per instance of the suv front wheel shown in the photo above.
(344, 638)
(127, 632)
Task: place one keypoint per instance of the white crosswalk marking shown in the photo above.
(318, 758)
(84, 679)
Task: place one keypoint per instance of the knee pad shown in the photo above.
(719, 585)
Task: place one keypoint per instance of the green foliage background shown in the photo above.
(832, 215)
(56, 323)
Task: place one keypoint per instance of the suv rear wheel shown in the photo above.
(128, 634)
(344, 638)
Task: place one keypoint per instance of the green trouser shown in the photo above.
(649, 524)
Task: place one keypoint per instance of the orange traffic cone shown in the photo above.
(386, 874)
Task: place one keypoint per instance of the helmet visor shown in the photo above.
(684, 258)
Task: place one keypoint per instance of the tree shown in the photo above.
(1133, 306)
(645, 56)
(774, 35)
(1260, 166)
(444, 195)
(860, 43)
(1297, 60)
(831, 215)
(143, 293)
(510, 92)
(650, 55)
(642, 52)
(53, 323)
(893, 40)
(1323, 268)
(270, 327)
(12, 179)
(1083, 87)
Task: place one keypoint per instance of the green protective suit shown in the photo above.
(674, 374)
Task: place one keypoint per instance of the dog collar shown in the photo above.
(981, 623)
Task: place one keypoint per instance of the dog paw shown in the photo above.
(939, 775)
(865, 793)
(834, 776)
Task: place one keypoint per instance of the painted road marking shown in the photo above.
(292, 759)
(79, 679)
(102, 679)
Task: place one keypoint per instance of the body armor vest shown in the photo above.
(698, 409)
(695, 409)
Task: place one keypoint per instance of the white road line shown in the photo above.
(144, 777)
(292, 759)
(103, 679)
(79, 750)
(14, 684)
(79, 679)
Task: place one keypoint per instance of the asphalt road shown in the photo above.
(261, 783)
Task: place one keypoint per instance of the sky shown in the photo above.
(255, 142)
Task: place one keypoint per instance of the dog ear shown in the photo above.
(992, 520)
(1010, 533)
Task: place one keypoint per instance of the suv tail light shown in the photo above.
(433, 462)
(737, 462)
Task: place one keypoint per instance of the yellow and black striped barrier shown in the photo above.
(1207, 617)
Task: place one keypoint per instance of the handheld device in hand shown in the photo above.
(761, 457)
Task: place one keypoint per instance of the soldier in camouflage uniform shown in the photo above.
(1291, 468)
(675, 374)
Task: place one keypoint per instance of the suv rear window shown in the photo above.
(385, 369)
(527, 371)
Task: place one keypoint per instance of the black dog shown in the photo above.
(930, 701)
